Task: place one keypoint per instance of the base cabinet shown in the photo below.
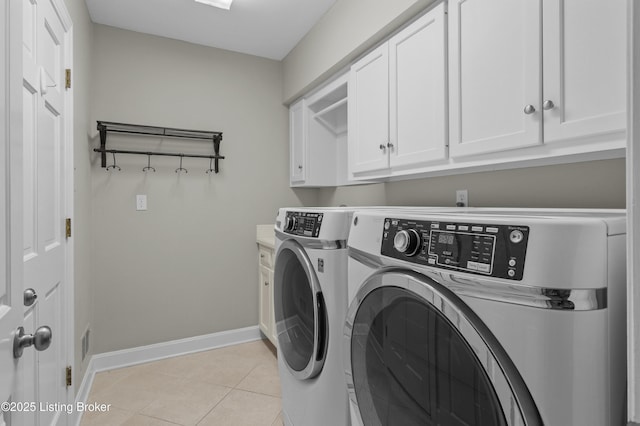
(266, 314)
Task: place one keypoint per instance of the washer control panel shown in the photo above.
(306, 224)
(491, 250)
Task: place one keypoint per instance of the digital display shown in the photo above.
(445, 238)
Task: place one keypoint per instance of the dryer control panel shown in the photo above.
(306, 224)
(490, 250)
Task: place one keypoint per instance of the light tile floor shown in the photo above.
(236, 385)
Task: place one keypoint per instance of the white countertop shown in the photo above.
(266, 236)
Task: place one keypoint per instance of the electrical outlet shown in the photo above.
(141, 202)
(462, 198)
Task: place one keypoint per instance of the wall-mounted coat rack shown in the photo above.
(105, 127)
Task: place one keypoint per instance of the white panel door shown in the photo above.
(297, 142)
(368, 112)
(44, 249)
(265, 313)
(417, 92)
(494, 74)
(10, 201)
(584, 68)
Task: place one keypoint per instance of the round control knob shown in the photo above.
(290, 223)
(516, 236)
(407, 242)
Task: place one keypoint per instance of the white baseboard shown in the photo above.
(158, 351)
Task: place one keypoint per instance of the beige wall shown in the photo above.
(347, 30)
(187, 266)
(594, 184)
(81, 84)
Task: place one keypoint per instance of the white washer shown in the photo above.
(487, 317)
(310, 303)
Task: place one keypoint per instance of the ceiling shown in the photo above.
(266, 28)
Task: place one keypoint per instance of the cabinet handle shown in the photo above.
(529, 109)
(547, 105)
(382, 147)
(389, 145)
(266, 283)
(300, 167)
(262, 256)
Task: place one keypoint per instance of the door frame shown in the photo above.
(633, 213)
(68, 172)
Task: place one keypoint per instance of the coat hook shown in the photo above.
(209, 170)
(114, 165)
(153, 169)
(181, 169)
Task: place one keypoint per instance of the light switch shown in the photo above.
(141, 202)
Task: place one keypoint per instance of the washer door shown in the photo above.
(418, 355)
(300, 313)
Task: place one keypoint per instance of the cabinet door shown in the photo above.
(265, 292)
(584, 68)
(273, 336)
(297, 142)
(494, 74)
(368, 115)
(417, 92)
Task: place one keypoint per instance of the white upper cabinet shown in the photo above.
(369, 112)
(397, 100)
(528, 72)
(495, 76)
(318, 136)
(297, 131)
(417, 92)
(584, 59)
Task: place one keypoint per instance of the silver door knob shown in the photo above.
(547, 105)
(40, 340)
(29, 297)
(529, 109)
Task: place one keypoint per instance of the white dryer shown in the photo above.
(487, 317)
(310, 304)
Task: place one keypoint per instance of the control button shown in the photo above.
(451, 227)
(516, 236)
(492, 230)
(511, 273)
(482, 267)
(476, 228)
(431, 261)
(512, 262)
(290, 223)
(435, 225)
(447, 261)
(473, 266)
(407, 242)
(463, 228)
(387, 225)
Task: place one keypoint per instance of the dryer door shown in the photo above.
(300, 313)
(418, 355)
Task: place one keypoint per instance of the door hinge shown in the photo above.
(68, 227)
(68, 376)
(67, 83)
